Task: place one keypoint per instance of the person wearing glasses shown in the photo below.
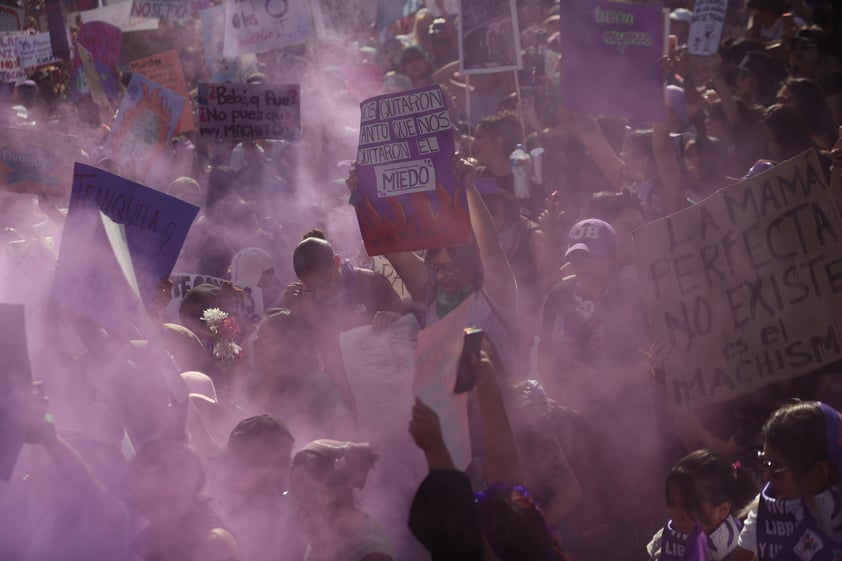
(798, 515)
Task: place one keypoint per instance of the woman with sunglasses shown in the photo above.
(798, 515)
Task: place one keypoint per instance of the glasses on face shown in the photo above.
(774, 467)
(447, 270)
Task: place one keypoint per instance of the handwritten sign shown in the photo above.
(436, 362)
(249, 111)
(407, 196)
(10, 68)
(706, 26)
(340, 17)
(88, 79)
(379, 364)
(119, 15)
(156, 225)
(489, 40)
(36, 162)
(256, 26)
(35, 50)
(247, 302)
(746, 287)
(102, 41)
(382, 265)
(11, 19)
(607, 46)
(167, 10)
(165, 69)
(144, 125)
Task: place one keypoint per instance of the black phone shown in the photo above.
(466, 376)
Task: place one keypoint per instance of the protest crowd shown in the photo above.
(373, 280)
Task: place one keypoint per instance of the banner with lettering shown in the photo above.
(247, 301)
(118, 15)
(343, 18)
(156, 227)
(256, 26)
(168, 10)
(249, 111)
(407, 197)
(35, 50)
(706, 26)
(746, 287)
(36, 162)
(165, 69)
(10, 68)
(489, 40)
(11, 19)
(609, 46)
(144, 125)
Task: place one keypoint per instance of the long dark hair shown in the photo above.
(797, 432)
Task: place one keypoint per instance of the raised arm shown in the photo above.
(498, 440)
(666, 162)
(591, 136)
(498, 278)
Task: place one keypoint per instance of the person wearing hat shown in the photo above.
(590, 359)
(680, 20)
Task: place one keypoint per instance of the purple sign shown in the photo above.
(156, 227)
(611, 63)
(102, 40)
(407, 197)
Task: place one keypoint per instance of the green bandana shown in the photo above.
(446, 303)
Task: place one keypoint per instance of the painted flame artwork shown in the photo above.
(142, 134)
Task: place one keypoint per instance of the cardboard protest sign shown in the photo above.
(156, 227)
(165, 69)
(407, 197)
(256, 26)
(706, 26)
(119, 15)
(144, 125)
(249, 111)
(248, 301)
(11, 19)
(607, 46)
(167, 10)
(436, 362)
(102, 41)
(746, 287)
(36, 162)
(15, 381)
(382, 265)
(379, 365)
(88, 79)
(10, 68)
(489, 40)
(339, 17)
(35, 50)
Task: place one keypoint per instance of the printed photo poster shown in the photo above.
(11, 19)
(37, 162)
(746, 287)
(10, 69)
(173, 11)
(257, 26)
(607, 47)
(156, 226)
(35, 50)
(489, 40)
(342, 18)
(102, 41)
(165, 69)
(240, 112)
(706, 27)
(144, 126)
(407, 197)
(220, 67)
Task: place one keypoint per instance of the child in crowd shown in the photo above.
(703, 493)
(798, 515)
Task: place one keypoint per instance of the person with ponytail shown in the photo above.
(798, 514)
(703, 493)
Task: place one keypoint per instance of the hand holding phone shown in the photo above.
(466, 375)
